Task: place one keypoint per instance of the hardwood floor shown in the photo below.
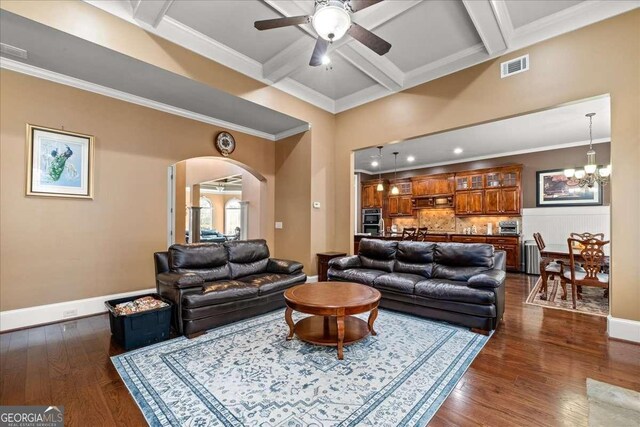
(531, 372)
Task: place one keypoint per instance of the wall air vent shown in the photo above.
(514, 66)
(7, 49)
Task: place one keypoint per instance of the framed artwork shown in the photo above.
(553, 189)
(59, 163)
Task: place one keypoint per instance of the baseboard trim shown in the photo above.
(43, 314)
(312, 279)
(623, 329)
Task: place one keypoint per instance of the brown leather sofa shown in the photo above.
(460, 283)
(212, 284)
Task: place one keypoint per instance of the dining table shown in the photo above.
(560, 254)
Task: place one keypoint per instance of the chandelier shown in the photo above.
(590, 174)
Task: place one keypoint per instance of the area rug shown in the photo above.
(592, 302)
(610, 405)
(247, 374)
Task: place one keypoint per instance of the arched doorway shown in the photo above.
(199, 191)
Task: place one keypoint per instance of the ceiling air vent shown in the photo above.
(7, 49)
(514, 66)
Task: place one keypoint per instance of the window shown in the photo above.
(231, 216)
(206, 214)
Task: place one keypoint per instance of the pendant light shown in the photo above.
(394, 189)
(380, 187)
(590, 174)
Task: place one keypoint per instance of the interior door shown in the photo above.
(171, 206)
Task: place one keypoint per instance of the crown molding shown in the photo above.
(489, 156)
(41, 73)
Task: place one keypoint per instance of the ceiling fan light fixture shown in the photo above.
(331, 20)
(326, 60)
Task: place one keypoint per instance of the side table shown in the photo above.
(323, 263)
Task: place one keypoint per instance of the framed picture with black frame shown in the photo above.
(553, 188)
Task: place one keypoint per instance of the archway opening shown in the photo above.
(213, 199)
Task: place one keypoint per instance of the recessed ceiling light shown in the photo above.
(326, 60)
(410, 159)
(374, 163)
(457, 150)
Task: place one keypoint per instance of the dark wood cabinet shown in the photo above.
(469, 202)
(433, 185)
(500, 201)
(501, 193)
(400, 206)
(371, 197)
(511, 246)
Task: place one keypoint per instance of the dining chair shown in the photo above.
(587, 235)
(421, 234)
(549, 267)
(590, 273)
(409, 233)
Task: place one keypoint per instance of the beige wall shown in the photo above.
(55, 250)
(311, 177)
(599, 59)
(602, 58)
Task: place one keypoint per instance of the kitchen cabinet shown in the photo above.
(500, 201)
(371, 197)
(469, 202)
(469, 182)
(400, 206)
(503, 177)
(462, 238)
(511, 246)
(433, 185)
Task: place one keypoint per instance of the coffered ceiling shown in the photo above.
(430, 38)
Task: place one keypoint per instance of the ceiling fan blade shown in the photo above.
(369, 39)
(357, 5)
(318, 52)
(269, 24)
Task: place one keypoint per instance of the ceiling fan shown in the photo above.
(332, 20)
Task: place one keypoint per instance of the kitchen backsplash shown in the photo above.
(445, 221)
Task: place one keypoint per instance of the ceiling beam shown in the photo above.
(487, 25)
(150, 12)
(379, 68)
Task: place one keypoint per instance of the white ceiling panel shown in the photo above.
(545, 130)
(231, 23)
(523, 12)
(342, 80)
(428, 32)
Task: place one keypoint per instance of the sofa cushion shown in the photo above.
(358, 275)
(461, 274)
(247, 257)
(450, 290)
(208, 260)
(464, 254)
(273, 282)
(219, 292)
(397, 282)
(377, 254)
(415, 258)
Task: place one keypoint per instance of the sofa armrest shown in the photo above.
(345, 262)
(283, 266)
(488, 279)
(180, 280)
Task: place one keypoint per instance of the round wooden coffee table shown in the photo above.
(332, 305)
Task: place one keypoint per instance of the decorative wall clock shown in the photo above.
(225, 143)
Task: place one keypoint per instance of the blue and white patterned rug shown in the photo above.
(247, 374)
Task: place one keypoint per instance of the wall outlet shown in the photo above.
(69, 313)
(316, 205)
(278, 225)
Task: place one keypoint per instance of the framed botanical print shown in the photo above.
(59, 163)
(553, 188)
